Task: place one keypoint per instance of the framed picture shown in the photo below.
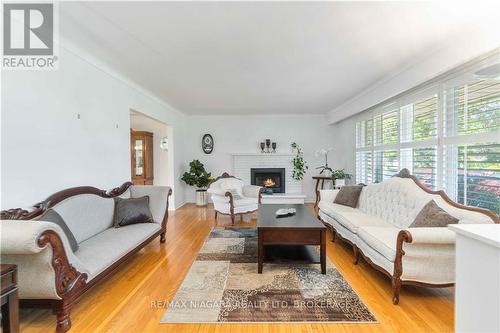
(207, 144)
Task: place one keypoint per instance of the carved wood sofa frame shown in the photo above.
(404, 236)
(70, 283)
(231, 200)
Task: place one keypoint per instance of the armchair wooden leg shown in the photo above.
(216, 215)
(162, 237)
(334, 235)
(232, 218)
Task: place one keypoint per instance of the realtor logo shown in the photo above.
(28, 36)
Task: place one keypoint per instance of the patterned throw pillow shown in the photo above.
(348, 195)
(433, 216)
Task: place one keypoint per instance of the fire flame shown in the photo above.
(269, 182)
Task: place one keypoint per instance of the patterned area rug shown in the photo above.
(223, 286)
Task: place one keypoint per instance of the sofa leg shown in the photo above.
(356, 255)
(162, 237)
(216, 215)
(62, 312)
(396, 288)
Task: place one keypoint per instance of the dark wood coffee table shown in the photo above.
(290, 239)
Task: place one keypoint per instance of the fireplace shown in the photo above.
(271, 178)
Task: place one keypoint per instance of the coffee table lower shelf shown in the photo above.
(291, 254)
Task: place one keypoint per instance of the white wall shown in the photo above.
(242, 134)
(46, 148)
(162, 173)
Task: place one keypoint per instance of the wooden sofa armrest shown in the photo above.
(31, 239)
(67, 278)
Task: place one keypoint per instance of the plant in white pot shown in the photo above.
(199, 177)
(339, 176)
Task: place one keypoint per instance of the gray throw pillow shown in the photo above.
(348, 195)
(433, 216)
(52, 216)
(131, 211)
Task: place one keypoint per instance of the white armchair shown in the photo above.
(232, 197)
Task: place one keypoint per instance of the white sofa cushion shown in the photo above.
(86, 215)
(351, 218)
(242, 205)
(101, 251)
(227, 184)
(381, 239)
(244, 201)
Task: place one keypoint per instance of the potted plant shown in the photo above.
(324, 168)
(199, 177)
(339, 176)
(299, 164)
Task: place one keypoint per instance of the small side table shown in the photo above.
(318, 180)
(9, 298)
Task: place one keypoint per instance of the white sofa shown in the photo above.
(49, 272)
(232, 197)
(378, 229)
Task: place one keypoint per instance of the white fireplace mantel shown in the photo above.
(243, 162)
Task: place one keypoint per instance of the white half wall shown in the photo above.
(242, 134)
(71, 127)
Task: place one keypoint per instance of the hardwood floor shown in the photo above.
(128, 302)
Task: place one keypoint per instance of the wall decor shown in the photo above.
(207, 144)
(265, 147)
(164, 143)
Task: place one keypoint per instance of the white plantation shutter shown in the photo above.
(473, 108)
(390, 163)
(424, 165)
(424, 124)
(446, 134)
(364, 164)
(390, 127)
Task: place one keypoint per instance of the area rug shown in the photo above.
(223, 285)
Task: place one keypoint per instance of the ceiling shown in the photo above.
(259, 57)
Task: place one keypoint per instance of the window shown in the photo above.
(479, 176)
(447, 135)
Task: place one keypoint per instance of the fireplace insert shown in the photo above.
(271, 178)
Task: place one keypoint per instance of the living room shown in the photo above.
(250, 166)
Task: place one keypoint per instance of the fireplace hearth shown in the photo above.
(272, 179)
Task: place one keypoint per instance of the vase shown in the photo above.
(201, 197)
(339, 182)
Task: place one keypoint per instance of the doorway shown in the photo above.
(150, 150)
